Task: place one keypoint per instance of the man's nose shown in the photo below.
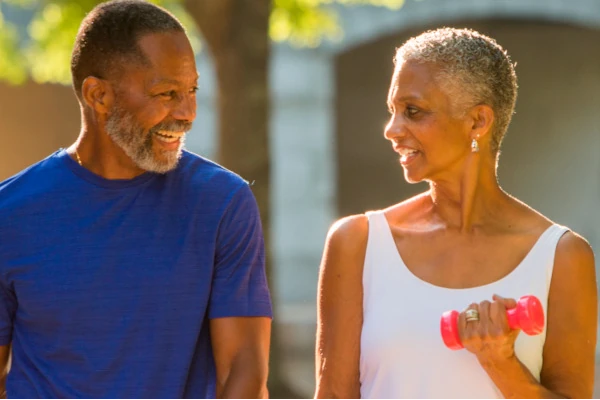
(185, 110)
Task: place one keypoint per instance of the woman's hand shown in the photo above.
(488, 337)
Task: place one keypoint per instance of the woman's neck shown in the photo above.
(470, 199)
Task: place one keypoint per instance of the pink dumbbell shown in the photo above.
(528, 316)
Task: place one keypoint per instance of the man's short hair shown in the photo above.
(109, 35)
(475, 68)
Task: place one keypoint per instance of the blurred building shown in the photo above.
(329, 108)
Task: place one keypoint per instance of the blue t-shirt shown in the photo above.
(107, 286)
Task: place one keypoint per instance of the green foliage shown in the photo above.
(302, 22)
(45, 54)
(12, 63)
(52, 31)
(305, 23)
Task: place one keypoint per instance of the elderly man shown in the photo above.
(129, 267)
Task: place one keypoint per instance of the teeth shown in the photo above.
(168, 137)
(404, 152)
(170, 134)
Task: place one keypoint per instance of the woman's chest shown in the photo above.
(457, 262)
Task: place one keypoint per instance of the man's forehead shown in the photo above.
(168, 50)
(164, 80)
(154, 44)
(169, 58)
(150, 75)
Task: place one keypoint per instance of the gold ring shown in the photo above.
(471, 315)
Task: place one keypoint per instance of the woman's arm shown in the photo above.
(339, 318)
(4, 367)
(570, 347)
(569, 350)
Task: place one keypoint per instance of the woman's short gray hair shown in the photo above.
(473, 68)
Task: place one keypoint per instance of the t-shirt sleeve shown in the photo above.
(8, 307)
(239, 286)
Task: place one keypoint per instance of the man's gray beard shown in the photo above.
(137, 144)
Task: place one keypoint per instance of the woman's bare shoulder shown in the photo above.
(353, 228)
(573, 256)
(574, 249)
(346, 242)
(408, 210)
(343, 258)
(524, 218)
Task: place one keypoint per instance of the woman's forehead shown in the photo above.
(413, 79)
(422, 83)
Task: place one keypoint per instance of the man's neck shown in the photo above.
(97, 152)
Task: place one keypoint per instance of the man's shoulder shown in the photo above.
(206, 174)
(31, 180)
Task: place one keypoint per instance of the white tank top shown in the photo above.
(402, 353)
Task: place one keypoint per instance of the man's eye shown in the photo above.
(169, 94)
(194, 89)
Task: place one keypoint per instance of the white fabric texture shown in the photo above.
(402, 352)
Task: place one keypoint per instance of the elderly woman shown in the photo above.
(465, 244)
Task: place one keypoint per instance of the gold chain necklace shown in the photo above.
(78, 159)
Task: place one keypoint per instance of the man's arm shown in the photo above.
(240, 305)
(4, 365)
(241, 351)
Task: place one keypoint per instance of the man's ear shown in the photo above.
(97, 94)
(482, 116)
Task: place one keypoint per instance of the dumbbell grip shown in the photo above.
(527, 316)
(513, 318)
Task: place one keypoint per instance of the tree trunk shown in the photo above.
(236, 33)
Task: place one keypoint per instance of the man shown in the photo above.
(128, 267)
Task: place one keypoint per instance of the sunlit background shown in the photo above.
(329, 67)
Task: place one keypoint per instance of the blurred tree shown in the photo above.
(238, 35)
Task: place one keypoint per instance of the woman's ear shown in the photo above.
(97, 94)
(483, 118)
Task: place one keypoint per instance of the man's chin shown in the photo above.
(162, 163)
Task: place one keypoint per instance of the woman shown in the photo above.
(387, 276)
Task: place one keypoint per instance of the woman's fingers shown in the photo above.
(469, 319)
(483, 327)
(508, 302)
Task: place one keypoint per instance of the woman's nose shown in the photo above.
(394, 128)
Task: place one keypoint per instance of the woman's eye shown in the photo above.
(411, 111)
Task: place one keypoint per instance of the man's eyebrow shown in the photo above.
(168, 81)
(165, 81)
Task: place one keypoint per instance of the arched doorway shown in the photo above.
(549, 157)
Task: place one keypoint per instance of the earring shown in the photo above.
(474, 146)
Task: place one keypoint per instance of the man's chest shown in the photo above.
(83, 267)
